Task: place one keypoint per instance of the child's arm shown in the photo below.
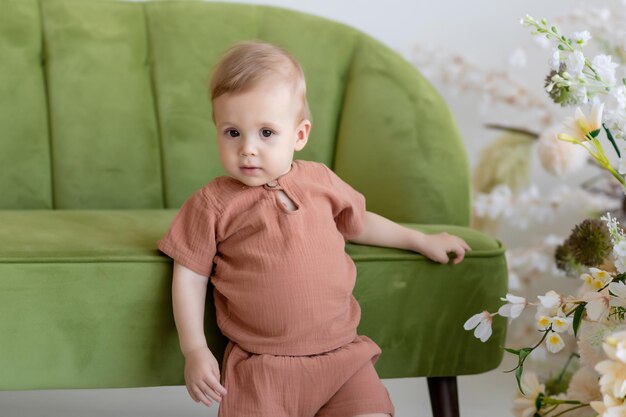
(202, 374)
(380, 231)
(188, 295)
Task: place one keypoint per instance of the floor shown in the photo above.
(484, 395)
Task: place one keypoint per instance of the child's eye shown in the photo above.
(266, 133)
(232, 133)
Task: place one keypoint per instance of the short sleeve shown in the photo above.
(348, 206)
(190, 240)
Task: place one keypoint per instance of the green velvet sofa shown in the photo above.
(106, 130)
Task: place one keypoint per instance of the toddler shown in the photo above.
(271, 236)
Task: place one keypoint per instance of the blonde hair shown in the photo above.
(245, 64)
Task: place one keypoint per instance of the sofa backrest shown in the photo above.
(104, 104)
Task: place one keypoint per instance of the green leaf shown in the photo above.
(513, 351)
(578, 314)
(539, 402)
(523, 353)
(561, 47)
(610, 136)
(518, 377)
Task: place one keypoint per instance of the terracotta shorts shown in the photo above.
(340, 383)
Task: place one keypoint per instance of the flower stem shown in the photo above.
(616, 175)
(545, 333)
(558, 381)
(570, 409)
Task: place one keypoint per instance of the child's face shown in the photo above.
(258, 128)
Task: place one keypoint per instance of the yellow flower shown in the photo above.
(544, 322)
(561, 324)
(601, 275)
(554, 342)
(579, 126)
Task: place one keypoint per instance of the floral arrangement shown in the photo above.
(595, 251)
(597, 310)
(502, 193)
(573, 80)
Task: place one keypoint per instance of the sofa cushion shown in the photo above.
(88, 288)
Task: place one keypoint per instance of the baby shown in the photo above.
(271, 236)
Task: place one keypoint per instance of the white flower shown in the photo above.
(514, 308)
(610, 407)
(619, 289)
(613, 370)
(550, 300)
(582, 37)
(613, 379)
(620, 263)
(600, 274)
(561, 324)
(554, 342)
(575, 63)
(578, 126)
(615, 346)
(605, 68)
(544, 322)
(580, 92)
(616, 98)
(482, 322)
(597, 304)
(524, 404)
(591, 283)
(559, 157)
(620, 248)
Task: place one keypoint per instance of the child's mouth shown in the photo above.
(250, 171)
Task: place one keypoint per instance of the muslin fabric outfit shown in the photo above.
(283, 293)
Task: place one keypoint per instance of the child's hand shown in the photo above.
(437, 246)
(202, 376)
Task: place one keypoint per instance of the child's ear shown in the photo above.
(302, 133)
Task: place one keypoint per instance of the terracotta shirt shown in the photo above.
(283, 281)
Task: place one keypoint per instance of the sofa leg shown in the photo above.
(444, 399)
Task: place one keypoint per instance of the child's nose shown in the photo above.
(248, 146)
